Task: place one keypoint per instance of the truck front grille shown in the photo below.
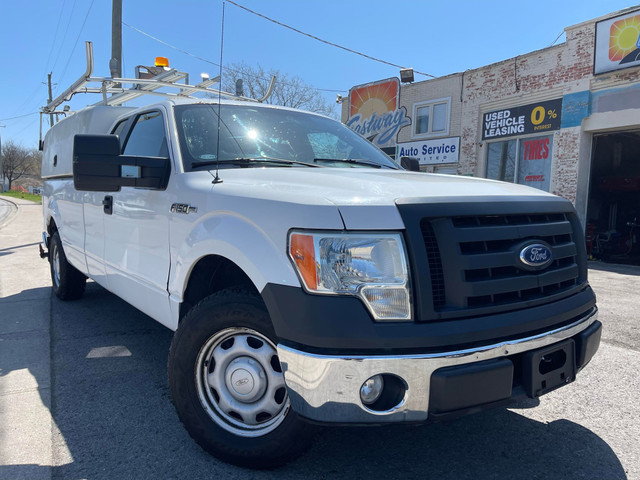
(474, 262)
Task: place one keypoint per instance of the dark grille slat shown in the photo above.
(564, 251)
(486, 260)
(506, 258)
(482, 234)
(504, 285)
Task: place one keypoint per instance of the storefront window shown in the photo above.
(525, 160)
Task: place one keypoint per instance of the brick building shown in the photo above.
(565, 119)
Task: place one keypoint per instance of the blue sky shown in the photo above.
(41, 36)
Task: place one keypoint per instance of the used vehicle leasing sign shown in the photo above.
(533, 118)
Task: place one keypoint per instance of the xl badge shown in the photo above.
(536, 256)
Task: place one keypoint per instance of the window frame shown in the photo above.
(516, 166)
(430, 133)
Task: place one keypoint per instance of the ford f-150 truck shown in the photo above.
(308, 277)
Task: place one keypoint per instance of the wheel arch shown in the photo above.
(210, 274)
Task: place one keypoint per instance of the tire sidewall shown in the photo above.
(214, 314)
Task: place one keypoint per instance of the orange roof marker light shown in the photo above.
(162, 62)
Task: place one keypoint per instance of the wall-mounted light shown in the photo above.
(339, 98)
(406, 75)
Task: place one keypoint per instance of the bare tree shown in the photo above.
(289, 91)
(18, 161)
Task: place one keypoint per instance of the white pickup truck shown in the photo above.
(308, 277)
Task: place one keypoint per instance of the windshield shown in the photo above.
(259, 134)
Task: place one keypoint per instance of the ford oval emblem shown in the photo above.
(536, 255)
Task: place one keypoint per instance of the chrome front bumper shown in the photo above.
(327, 388)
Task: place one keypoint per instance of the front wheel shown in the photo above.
(227, 384)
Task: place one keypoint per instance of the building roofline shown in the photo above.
(603, 17)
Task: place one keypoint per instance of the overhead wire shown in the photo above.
(18, 116)
(64, 37)
(325, 41)
(142, 32)
(55, 35)
(76, 42)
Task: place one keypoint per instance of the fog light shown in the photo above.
(371, 389)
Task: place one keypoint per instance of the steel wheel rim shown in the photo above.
(55, 264)
(240, 383)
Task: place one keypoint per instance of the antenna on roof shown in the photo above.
(217, 179)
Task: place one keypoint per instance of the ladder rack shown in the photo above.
(140, 87)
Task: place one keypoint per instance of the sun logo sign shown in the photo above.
(624, 38)
(374, 112)
(617, 43)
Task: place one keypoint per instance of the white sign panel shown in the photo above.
(617, 43)
(431, 152)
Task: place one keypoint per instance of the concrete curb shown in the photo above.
(13, 214)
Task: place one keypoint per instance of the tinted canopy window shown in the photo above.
(252, 132)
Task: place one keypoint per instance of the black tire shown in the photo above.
(230, 325)
(68, 282)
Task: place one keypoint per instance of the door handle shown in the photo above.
(107, 204)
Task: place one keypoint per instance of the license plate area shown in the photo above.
(548, 368)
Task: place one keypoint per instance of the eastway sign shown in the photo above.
(375, 114)
(431, 152)
(534, 118)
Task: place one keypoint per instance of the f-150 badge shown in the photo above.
(183, 208)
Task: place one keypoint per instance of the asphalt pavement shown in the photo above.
(83, 394)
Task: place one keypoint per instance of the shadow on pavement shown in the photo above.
(111, 404)
(615, 268)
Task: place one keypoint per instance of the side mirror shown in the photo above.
(99, 167)
(410, 163)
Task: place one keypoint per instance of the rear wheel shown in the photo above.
(228, 387)
(68, 282)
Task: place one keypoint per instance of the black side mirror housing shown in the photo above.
(99, 167)
(410, 163)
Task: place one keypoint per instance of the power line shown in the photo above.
(18, 116)
(55, 36)
(554, 42)
(325, 41)
(76, 42)
(229, 69)
(169, 45)
(64, 37)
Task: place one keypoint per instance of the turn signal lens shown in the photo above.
(302, 252)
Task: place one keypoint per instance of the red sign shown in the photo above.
(536, 149)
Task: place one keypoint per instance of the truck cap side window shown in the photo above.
(147, 139)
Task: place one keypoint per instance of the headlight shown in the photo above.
(370, 266)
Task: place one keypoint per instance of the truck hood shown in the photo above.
(366, 197)
(363, 186)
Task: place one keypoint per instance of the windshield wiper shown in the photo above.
(358, 161)
(247, 161)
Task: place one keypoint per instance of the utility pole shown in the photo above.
(50, 98)
(115, 64)
(1, 164)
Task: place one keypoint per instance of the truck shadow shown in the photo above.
(112, 407)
